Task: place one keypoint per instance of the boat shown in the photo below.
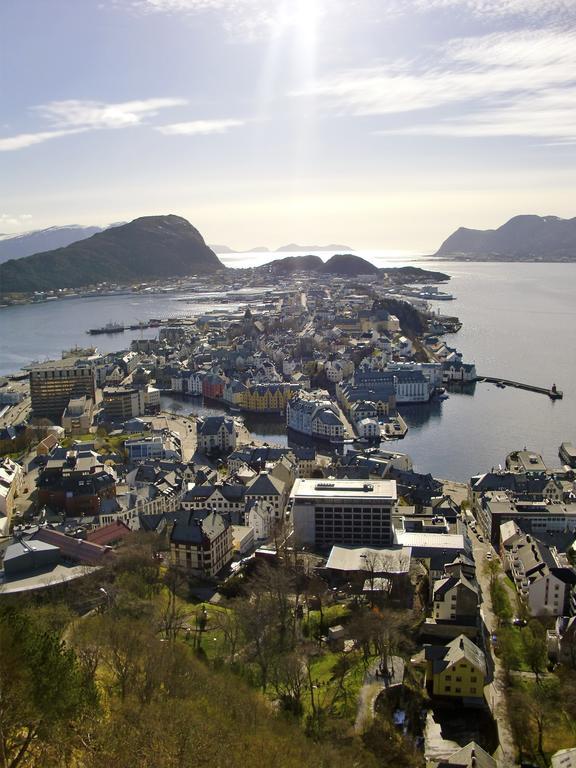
(108, 328)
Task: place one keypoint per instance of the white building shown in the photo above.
(314, 414)
(216, 433)
(369, 429)
(11, 480)
(261, 517)
(354, 513)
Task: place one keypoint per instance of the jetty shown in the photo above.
(553, 393)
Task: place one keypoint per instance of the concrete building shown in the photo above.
(123, 403)
(164, 446)
(77, 417)
(201, 542)
(354, 513)
(216, 434)
(54, 382)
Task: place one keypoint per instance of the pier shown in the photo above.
(552, 393)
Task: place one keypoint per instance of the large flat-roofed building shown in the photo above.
(123, 403)
(354, 513)
(54, 382)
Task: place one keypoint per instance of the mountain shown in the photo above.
(27, 243)
(523, 238)
(291, 264)
(293, 248)
(225, 249)
(346, 264)
(150, 247)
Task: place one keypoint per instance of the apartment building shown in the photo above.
(55, 382)
(354, 513)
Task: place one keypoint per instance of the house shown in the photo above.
(470, 756)
(216, 434)
(455, 600)
(261, 517)
(201, 542)
(11, 480)
(457, 669)
(564, 758)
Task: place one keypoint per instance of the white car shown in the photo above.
(488, 555)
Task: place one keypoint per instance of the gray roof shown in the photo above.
(198, 525)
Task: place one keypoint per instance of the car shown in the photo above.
(488, 555)
(519, 622)
(480, 537)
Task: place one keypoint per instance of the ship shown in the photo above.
(108, 328)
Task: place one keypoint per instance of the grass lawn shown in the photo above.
(327, 695)
(333, 614)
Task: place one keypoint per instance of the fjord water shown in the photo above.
(519, 323)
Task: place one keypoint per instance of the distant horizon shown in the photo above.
(414, 250)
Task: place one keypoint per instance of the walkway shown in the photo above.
(494, 692)
(372, 687)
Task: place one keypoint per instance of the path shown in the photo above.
(495, 691)
(372, 687)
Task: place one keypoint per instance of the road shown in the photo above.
(495, 691)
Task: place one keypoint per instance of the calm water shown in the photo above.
(519, 323)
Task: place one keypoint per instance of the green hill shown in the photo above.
(149, 247)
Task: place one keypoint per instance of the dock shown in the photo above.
(553, 393)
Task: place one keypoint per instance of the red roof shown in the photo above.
(109, 534)
(85, 552)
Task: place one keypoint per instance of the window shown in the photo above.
(447, 688)
(458, 690)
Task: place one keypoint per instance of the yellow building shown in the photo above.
(457, 669)
(268, 398)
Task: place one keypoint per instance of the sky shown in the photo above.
(380, 124)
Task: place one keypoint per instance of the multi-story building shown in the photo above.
(347, 512)
(54, 382)
(11, 480)
(78, 483)
(216, 433)
(268, 397)
(164, 446)
(123, 403)
(77, 418)
(201, 542)
(457, 669)
(315, 415)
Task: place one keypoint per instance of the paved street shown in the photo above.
(495, 692)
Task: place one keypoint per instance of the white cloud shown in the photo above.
(14, 219)
(199, 127)
(75, 116)
(496, 83)
(23, 140)
(96, 114)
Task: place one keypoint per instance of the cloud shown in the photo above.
(494, 82)
(95, 114)
(199, 127)
(14, 219)
(75, 116)
(23, 140)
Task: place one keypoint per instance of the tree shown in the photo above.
(535, 647)
(45, 694)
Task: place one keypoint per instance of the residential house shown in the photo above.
(457, 669)
(201, 542)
